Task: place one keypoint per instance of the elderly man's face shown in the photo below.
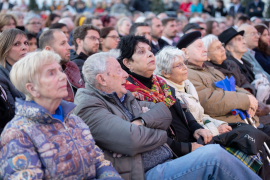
(52, 82)
(179, 71)
(115, 78)
(144, 31)
(197, 52)
(216, 52)
(238, 45)
(33, 25)
(251, 37)
(170, 30)
(60, 46)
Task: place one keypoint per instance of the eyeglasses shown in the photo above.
(115, 37)
(181, 65)
(94, 38)
(35, 23)
(254, 34)
(219, 48)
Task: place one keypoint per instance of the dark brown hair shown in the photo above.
(209, 26)
(105, 31)
(262, 46)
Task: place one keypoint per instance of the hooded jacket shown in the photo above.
(34, 145)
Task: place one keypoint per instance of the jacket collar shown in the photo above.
(35, 112)
(196, 67)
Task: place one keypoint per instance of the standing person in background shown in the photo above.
(123, 25)
(109, 39)
(196, 7)
(220, 10)
(169, 30)
(255, 8)
(5, 5)
(236, 8)
(207, 8)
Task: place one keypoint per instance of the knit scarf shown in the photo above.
(160, 91)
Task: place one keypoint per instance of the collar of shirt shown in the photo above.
(169, 41)
(251, 52)
(155, 43)
(240, 61)
(236, 7)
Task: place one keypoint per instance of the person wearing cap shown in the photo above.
(216, 102)
(190, 27)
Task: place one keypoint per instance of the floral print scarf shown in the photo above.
(160, 91)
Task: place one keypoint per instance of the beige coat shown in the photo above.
(216, 102)
(192, 101)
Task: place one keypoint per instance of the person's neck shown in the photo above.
(154, 39)
(104, 49)
(167, 37)
(49, 104)
(197, 63)
(250, 47)
(237, 55)
(79, 50)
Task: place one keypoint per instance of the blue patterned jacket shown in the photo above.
(36, 146)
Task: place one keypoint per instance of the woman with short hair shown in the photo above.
(171, 67)
(262, 52)
(109, 39)
(45, 140)
(7, 21)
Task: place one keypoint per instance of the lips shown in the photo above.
(153, 61)
(65, 86)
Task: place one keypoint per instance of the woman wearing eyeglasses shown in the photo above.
(217, 58)
(171, 66)
(109, 39)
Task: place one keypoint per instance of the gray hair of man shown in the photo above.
(208, 40)
(30, 16)
(97, 64)
(166, 58)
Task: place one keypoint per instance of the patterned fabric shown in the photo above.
(36, 146)
(160, 91)
(253, 162)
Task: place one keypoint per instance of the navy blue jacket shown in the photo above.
(256, 12)
(263, 59)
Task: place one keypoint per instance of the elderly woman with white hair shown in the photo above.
(32, 24)
(45, 140)
(170, 65)
(123, 25)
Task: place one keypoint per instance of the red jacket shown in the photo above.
(74, 79)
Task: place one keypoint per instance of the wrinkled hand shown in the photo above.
(195, 146)
(224, 128)
(253, 104)
(206, 134)
(262, 110)
(117, 155)
(145, 109)
(251, 112)
(137, 122)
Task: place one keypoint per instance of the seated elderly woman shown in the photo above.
(171, 66)
(45, 140)
(132, 133)
(14, 45)
(216, 102)
(138, 61)
(217, 59)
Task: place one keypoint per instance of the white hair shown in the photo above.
(30, 16)
(140, 19)
(196, 20)
(97, 64)
(208, 40)
(121, 21)
(166, 58)
(27, 69)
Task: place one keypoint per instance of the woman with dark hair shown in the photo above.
(212, 28)
(13, 46)
(109, 39)
(108, 21)
(32, 42)
(61, 26)
(51, 19)
(138, 61)
(220, 9)
(262, 52)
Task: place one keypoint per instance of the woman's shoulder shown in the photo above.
(18, 122)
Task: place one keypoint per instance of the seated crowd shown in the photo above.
(112, 97)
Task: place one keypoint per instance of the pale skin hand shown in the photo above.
(206, 134)
(195, 145)
(224, 128)
(253, 105)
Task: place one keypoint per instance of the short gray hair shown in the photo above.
(166, 58)
(97, 64)
(208, 40)
(27, 69)
(30, 16)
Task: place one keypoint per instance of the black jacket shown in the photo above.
(245, 68)
(141, 5)
(257, 10)
(10, 6)
(6, 84)
(78, 59)
(241, 9)
(6, 112)
(161, 44)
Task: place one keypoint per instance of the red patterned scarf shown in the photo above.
(160, 91)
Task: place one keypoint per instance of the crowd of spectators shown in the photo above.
(112, 90)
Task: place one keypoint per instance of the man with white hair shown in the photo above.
(132, 133)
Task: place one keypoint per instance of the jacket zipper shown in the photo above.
(73, 141)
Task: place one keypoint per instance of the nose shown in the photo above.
(150, 54)
(68, 46)
(125, 74)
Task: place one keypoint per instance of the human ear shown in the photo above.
(48, 48)
(186, 53)
(78, 41)
(32, 89)
(126, 62)
(167, 76)
(101, 80)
